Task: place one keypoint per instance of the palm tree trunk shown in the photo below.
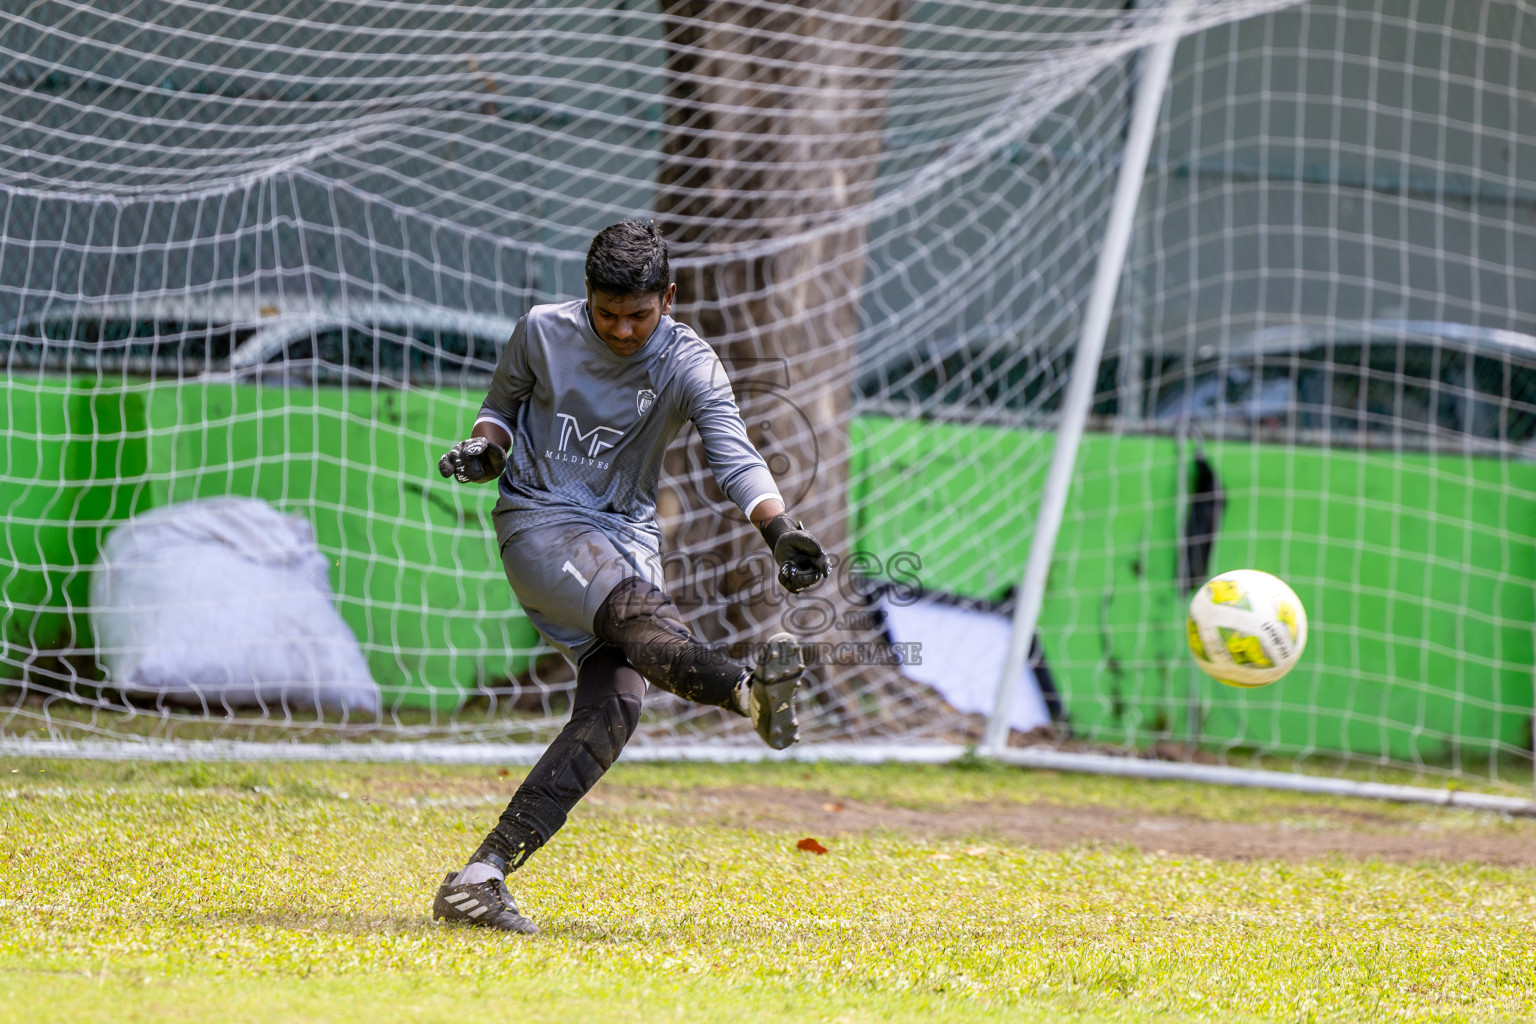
(774, 133)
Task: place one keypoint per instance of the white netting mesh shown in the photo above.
(270, 249)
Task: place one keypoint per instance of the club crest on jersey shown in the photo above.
(644, 399)
(580, 446)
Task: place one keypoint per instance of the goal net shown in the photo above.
(271, 250)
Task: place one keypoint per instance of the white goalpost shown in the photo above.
(1040, 313)
(1148, 104)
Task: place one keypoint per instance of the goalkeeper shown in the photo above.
(583, 404)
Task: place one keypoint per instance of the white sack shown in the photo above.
(962, 658)
(225, 603)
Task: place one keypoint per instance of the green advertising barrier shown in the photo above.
(73, 464)
(413, 556)
(1416, 570)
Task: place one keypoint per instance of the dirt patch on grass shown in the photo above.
(1309, 832)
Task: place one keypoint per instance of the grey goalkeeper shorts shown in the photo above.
(561, 573)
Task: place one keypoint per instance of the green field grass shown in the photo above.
(301, 893)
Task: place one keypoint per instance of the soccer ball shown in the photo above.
(1246, 628)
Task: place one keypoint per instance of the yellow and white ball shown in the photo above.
(1246, 628)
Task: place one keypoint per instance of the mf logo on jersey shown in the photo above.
(644, 399)
(589, 442)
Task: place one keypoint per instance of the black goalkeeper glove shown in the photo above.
(802, 563)
(474, 461)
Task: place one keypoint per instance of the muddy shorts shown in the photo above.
(561, 572)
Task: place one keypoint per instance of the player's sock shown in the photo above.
(479, 871)
(742, 699)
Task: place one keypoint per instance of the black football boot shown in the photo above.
(487, 904)
(771, 691)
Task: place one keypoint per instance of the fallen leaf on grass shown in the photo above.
(810, 845)
(976, 851)
(939, 856)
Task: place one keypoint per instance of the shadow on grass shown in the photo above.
(342, 923)
(338, 922)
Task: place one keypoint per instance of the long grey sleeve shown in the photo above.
(738, 467)
(510, 384)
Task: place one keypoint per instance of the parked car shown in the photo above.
(1419, 382)
(1380, 382)
(993, 376)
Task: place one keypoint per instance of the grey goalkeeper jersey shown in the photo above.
(590, 428)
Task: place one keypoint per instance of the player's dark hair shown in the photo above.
(629, 258)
